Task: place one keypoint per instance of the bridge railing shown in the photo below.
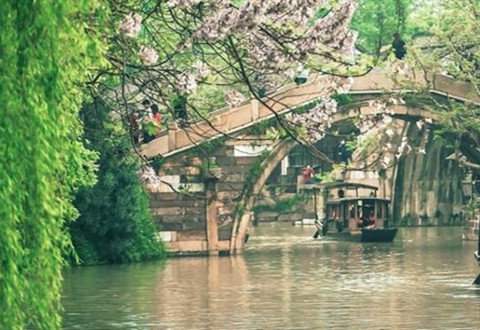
(229, 120)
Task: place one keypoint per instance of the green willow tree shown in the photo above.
(44, 54)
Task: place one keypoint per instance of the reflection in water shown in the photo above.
(285, 279)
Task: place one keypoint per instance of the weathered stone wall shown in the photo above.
(428, 187)
(195, 205)
(472, 225)
(179, 204)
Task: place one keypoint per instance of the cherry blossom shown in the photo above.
(182, 3)
(257, 23)
(131, 25)
(231, 43)
(202, 69)
(148, 55)
(186, 83)
(403, 148)
(233, 98)
(387, 119)
(317, 120)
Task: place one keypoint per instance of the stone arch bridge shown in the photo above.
(204, 203)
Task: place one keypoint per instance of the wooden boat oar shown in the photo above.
(317, 224)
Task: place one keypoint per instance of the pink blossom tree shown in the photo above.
(217, 52)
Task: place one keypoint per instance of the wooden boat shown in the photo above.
(379, 234)
(353, 212)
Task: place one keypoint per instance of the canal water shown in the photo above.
(287, 280)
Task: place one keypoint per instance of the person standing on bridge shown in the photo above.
(135, 127)
(145, 116)
(179, 105)
(156, 119)
(302, 75)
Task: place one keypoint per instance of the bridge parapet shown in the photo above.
(228, 121)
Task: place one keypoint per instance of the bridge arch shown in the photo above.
(284, 147)
(174, 142)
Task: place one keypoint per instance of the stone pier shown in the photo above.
(198, 200)
(472, 226)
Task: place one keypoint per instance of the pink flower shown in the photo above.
(148, 55)
(202, 69)
(187, 84)
(131, 25)
(233, 98)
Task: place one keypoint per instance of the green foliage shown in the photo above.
(306, 107)
(376, 21)
(254, 172)
(114, 224)
(343, 99)
(351, 145)
(262, 127)
(157, 163)
(452, 47)
(44, 55)
(472, 207)
(325, 177)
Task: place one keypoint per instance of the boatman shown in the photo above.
(371, 221)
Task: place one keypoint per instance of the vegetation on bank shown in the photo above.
(115, 224)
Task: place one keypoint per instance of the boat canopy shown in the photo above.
(361, 198)
(345, 185)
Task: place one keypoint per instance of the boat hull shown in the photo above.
(378, 235)
(366, 235)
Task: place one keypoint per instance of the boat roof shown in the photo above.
(359, 198)
(346, 185)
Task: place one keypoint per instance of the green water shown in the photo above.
(287, 280)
